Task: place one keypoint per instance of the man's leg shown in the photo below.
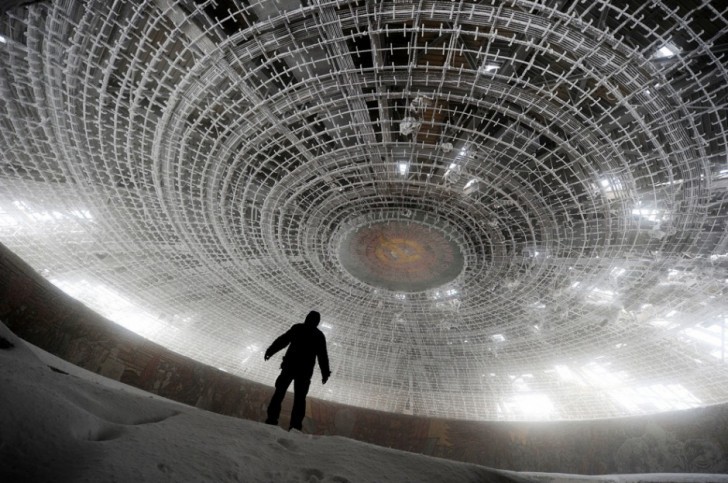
(300, 390)
(274, 408)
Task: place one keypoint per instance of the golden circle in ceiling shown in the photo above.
(401, 256)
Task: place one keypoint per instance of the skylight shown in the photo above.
(403, 167)
(610, 185)
(666, 51)
(650, 214)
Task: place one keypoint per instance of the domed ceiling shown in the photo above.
(503, 210)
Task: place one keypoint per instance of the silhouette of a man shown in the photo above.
(305, 344)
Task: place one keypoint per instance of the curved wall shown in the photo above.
(686, 441)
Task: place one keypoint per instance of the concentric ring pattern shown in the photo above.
(207, 172)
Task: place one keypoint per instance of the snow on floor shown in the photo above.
(78, 427)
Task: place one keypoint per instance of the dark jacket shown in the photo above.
(305, 343)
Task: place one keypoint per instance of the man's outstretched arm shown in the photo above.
(278, 344)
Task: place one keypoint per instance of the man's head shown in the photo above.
(313, 318)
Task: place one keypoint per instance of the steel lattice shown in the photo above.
(550, 177)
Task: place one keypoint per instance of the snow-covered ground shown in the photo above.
(76, 426)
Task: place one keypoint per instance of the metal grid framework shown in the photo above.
(190, 169)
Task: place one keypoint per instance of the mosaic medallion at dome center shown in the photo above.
(401, 256)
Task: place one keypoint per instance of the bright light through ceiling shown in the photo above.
(503, 210)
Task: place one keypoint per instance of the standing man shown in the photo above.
(306, 343)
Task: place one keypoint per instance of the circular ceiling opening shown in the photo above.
(401, 256)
